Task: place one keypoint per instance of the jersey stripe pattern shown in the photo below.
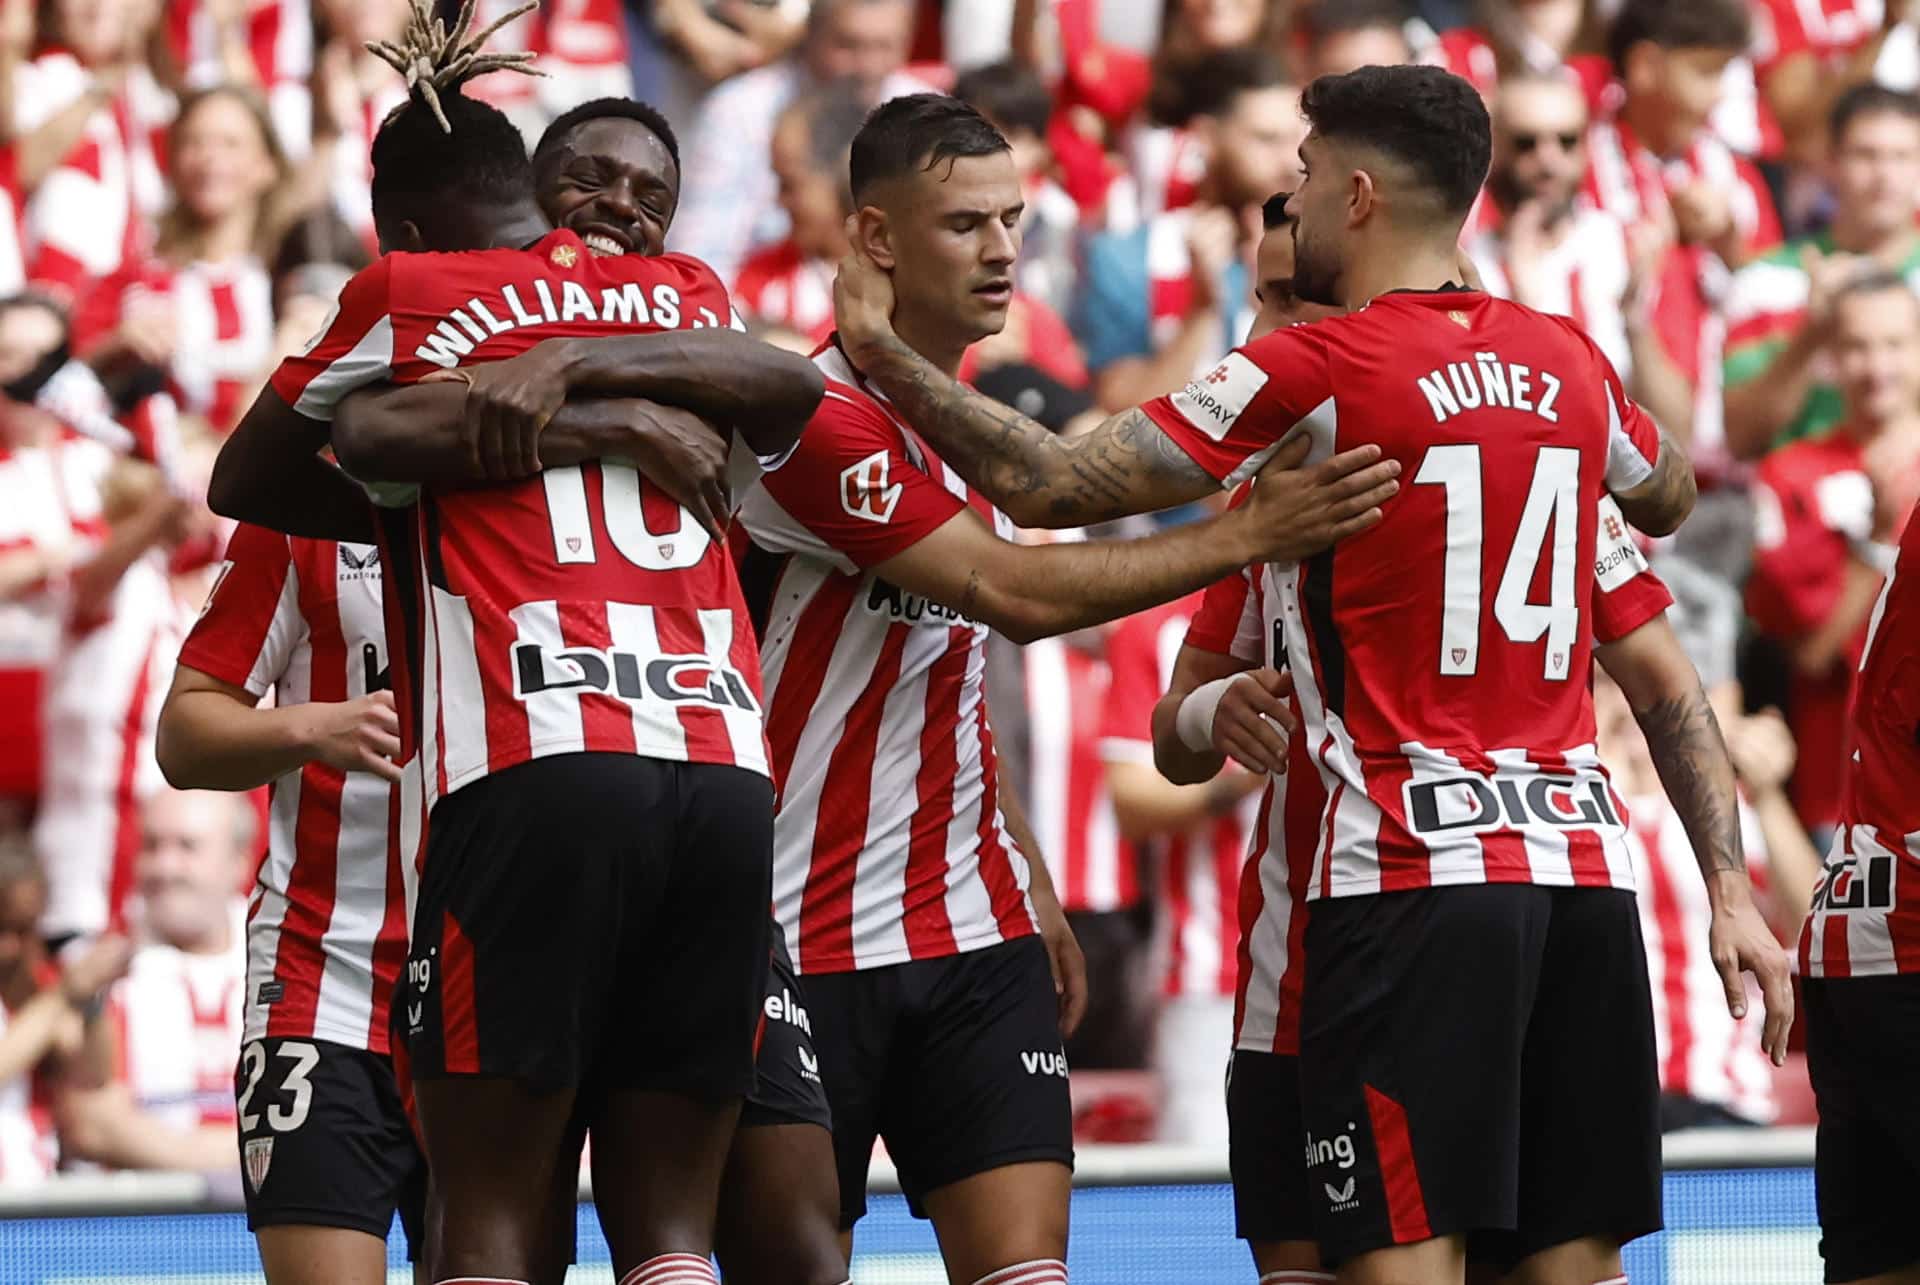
(1200, 869)
(327, 922)
(1093, 868)
(888, 844)
(579, 610)
(178, 1020)
(223, 318)
(1865, 918)
(1441, 658)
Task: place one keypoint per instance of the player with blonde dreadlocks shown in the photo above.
(591, 932)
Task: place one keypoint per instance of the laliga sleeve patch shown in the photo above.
(1214, 401)
(1617, 557)
(865, 492)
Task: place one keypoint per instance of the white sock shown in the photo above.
(1041, 1271)
(672, 1269)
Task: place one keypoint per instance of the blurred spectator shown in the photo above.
(1016, 101)
(790, 282)
(1823, 510)
(227, 169)
(1804, 56)
(1336, 36)
(353, 91)
(702, 42)
(264, 45)
(1198, 837)
(48, 1027)
(1713, 1070)
(178, 1011)
(1653, 164)
(729, 196)
(1522, 38)
(1550, 249)
(1779, 378)
(1162, 302)
(1195, 28)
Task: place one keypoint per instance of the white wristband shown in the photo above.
(1194, 722)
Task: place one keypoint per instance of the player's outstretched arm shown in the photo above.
(1029, 592)
(1690, 754)
(416, 433)
(270, 473)
(1660, 503)
(1237, 712)
(213, 735)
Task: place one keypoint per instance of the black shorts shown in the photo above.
(324, 1141)
(596, 919)
(1266, 1148)
(787, 1087)
(1479, 1060)
(956, 1062)
(1863, 1055)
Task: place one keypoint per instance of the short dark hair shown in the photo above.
(1427, 119)
(1876, 281)
(1325, 18)
(917, 132)
(1274, 213)
(1008, 93)
(1869, 99)
(606, 109)
(1679, 24)
(419, 167)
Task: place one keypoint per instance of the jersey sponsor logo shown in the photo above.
(1045, 1063)
(259, 1156)
(784, 1008)
(895, 603)
(359, 562)
(630, 676)
(1214, 401)
(1618, 559)
(548, 303)
(1342, 1198)
(1461, 386)
(809, 1065)
(1332, 1151)
(1470, 801)
(1856, 882)
(864, 489)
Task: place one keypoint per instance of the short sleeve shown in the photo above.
(1220, 626)
(1111, 315)
(1633, 439)
(251, 623)
(1134, 686)
(1626, 592)
(849, 488)
(1233, 418)
(353, 349)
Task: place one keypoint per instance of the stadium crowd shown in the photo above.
(1725, 194)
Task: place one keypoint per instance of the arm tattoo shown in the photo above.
(1691, 756)
(1126, 465)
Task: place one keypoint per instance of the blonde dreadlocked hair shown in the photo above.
(436, 61)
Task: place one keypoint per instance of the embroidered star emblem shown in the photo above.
(565, 255)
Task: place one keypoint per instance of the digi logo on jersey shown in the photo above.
(1473, 802)
(1856, 883)
(629, 675)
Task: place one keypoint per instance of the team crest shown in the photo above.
(259, 1154)
(1460, 319)
(565, 255)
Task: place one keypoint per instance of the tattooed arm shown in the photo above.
(1690, 754)
(1662, 502)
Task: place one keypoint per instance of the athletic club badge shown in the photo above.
(259, 1154)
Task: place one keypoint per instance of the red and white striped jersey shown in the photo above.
(91, 216)
(1241, 618)
(280, 42)
(223, 337)
(351, 181)
(582, 51)
(13, 262)
(1704, 1053)
(29, 1149)
(632, 636)
(1866, 907)
(1443, 683)
(179, 1021)
(1830, 30)
(889, 844)
(1167, 165)
(327, 922)
(1584, 278)
(1093, 868)
(1199, 871)
(1628, 181)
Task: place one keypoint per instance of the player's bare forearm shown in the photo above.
(415, 433)
(1757, 409)
(1174, 758)
(213, 736)
(270, 473)
(1683, 736)
(1662, 502)
(767, 392)
(1126, 465)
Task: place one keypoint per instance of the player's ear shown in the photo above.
(402, 237)
(872, 236)
(1361, 199)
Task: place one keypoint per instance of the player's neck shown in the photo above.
(1412, 267)
(928, 337)
(505, 227)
